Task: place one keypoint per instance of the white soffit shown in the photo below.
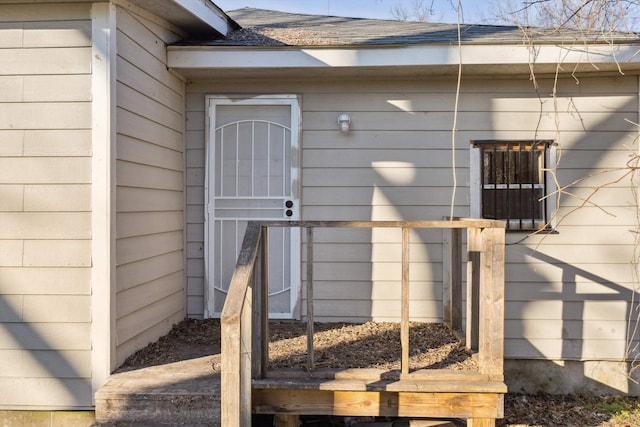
(198, 18)
(207, 12)
(625, 56)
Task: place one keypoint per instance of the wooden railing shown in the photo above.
(245, 314)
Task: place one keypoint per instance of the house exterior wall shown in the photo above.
(45, 205)
(567, 294)
(150, 279)
(195, 141)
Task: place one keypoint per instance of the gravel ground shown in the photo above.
(339, 345)
(368, 345)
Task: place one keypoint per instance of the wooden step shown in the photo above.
(418, 385)
(188, 393)
(182, 393)
(435, 386)
(375, 374)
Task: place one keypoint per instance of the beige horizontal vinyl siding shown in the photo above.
(397, 164)
(381, 172)
(195, 162)
(45, 206)
(569, 294)
(388, 167)
(150, 283)
(357, 275)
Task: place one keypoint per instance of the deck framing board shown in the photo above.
(378, 403)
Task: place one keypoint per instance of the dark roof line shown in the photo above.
(262, 27)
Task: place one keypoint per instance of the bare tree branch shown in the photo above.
(419, 10)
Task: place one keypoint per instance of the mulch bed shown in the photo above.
(341, 345)
(367, 345)
(336, 345)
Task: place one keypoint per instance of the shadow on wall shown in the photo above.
(52, 379)
(587, 352)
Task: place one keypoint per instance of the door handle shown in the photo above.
(288, 204)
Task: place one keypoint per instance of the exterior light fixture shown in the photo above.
(344, 121)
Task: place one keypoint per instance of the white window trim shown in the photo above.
(475, 182)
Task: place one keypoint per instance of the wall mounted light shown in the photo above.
(344, 121)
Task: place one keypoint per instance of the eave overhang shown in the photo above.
(197, 18)
(198, 62)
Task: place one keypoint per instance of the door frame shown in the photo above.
(293, 101)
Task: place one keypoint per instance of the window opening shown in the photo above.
(513, 182)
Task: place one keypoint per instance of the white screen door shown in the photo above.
(252, 174)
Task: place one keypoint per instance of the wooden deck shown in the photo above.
(249, 387)
(364, 392)
(188, 392)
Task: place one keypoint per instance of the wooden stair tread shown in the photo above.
(374, 374)
(449, 375)
(448, 386)
(405, 385)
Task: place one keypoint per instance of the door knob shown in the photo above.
(288, 204)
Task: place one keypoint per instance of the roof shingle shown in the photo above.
(272, 28)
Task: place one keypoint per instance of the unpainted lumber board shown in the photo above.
(450, 375)
(404, 326)
(373, 403)
(491, 310)
(425, 386)
(458, 385)
(287, 420)
(481, 422)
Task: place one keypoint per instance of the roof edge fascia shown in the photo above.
(209, 13)
(198, 18)
(248, 57)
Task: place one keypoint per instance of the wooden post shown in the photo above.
(491, 344)
(310, 352)
(404, 323)
(452, 279)
(287, 420)
(230, 375)
(256, 319)
(237, 367)
(264, 301)
(456, 280)
(246, 356)
(446, 276)
(474, 246)
(236, 336)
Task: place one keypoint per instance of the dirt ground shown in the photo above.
(433, 346)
